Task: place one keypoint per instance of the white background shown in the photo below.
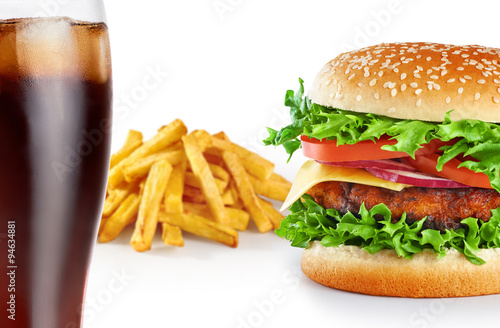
(225, 65)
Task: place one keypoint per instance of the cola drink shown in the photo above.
(55, 107)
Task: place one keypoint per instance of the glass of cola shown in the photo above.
(55, 122)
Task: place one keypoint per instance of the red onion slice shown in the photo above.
(385, 164)
(417, 179)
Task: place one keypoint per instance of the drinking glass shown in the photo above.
(55, 118)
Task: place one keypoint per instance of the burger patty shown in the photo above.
(443, 207)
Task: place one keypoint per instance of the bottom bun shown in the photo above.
(353, 269)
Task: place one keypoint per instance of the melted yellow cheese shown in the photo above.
(312, 173)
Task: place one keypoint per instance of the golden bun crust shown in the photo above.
(385, 274)
(419, 81)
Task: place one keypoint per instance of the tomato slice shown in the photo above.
(427, 164)
(327, 150)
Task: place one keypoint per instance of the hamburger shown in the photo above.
(400, 196)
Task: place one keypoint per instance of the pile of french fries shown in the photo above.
(198, 183)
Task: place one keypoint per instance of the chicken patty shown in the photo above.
(443, 207)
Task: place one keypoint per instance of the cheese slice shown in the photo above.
(312, 173)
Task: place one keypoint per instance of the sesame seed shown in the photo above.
(443, 72)
(332, 95)
(429, 86)
(391, 110)
(460, 90)
(498, 90)
(396, 70)
(376, 95)
(436, 86)
(335, 81)
(393, 92)
(419, 102)
(467, 77)
(428, 58)
(496, 80)
(496, 99)
(461, 79)
(460, 68)
(451, 80)
(465, 55)
(481, 81)
(429, 71)
(417, 75)
(339, 96)
(350, 77)
(367, 74)
(372, 82)
(392, 85)
(448, 100)
(418, 91)
(380, 73)
(434, 77)
(386, 84)
(403, 76)
(413, 85)
(403, 87)
(420, 68)
(477, 96)
(358, 97)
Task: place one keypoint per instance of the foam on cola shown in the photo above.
(55, 101)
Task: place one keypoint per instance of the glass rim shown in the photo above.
(83, 10)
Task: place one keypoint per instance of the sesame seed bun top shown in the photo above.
(419, 81)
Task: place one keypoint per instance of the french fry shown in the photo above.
(202, 172)
(278, 178)
(228, 198)
(166, 136)
(221, 135)
(120, 219)
(236, 218)
(154, 191)
(203, 138)
(201, 226)
(253, 163)
(213, 156)
(270, 188)
(238, 204)
(141, 167)
(175, 187)
(246, 192)
(171, 235)
(217, 171)
(102, 223)
(274, 215)
(191, 180)
(234, 192)
(193, 195)
(116, 197)
(133, 141)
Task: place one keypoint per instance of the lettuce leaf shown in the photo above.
(478, 139)
(309, 221)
